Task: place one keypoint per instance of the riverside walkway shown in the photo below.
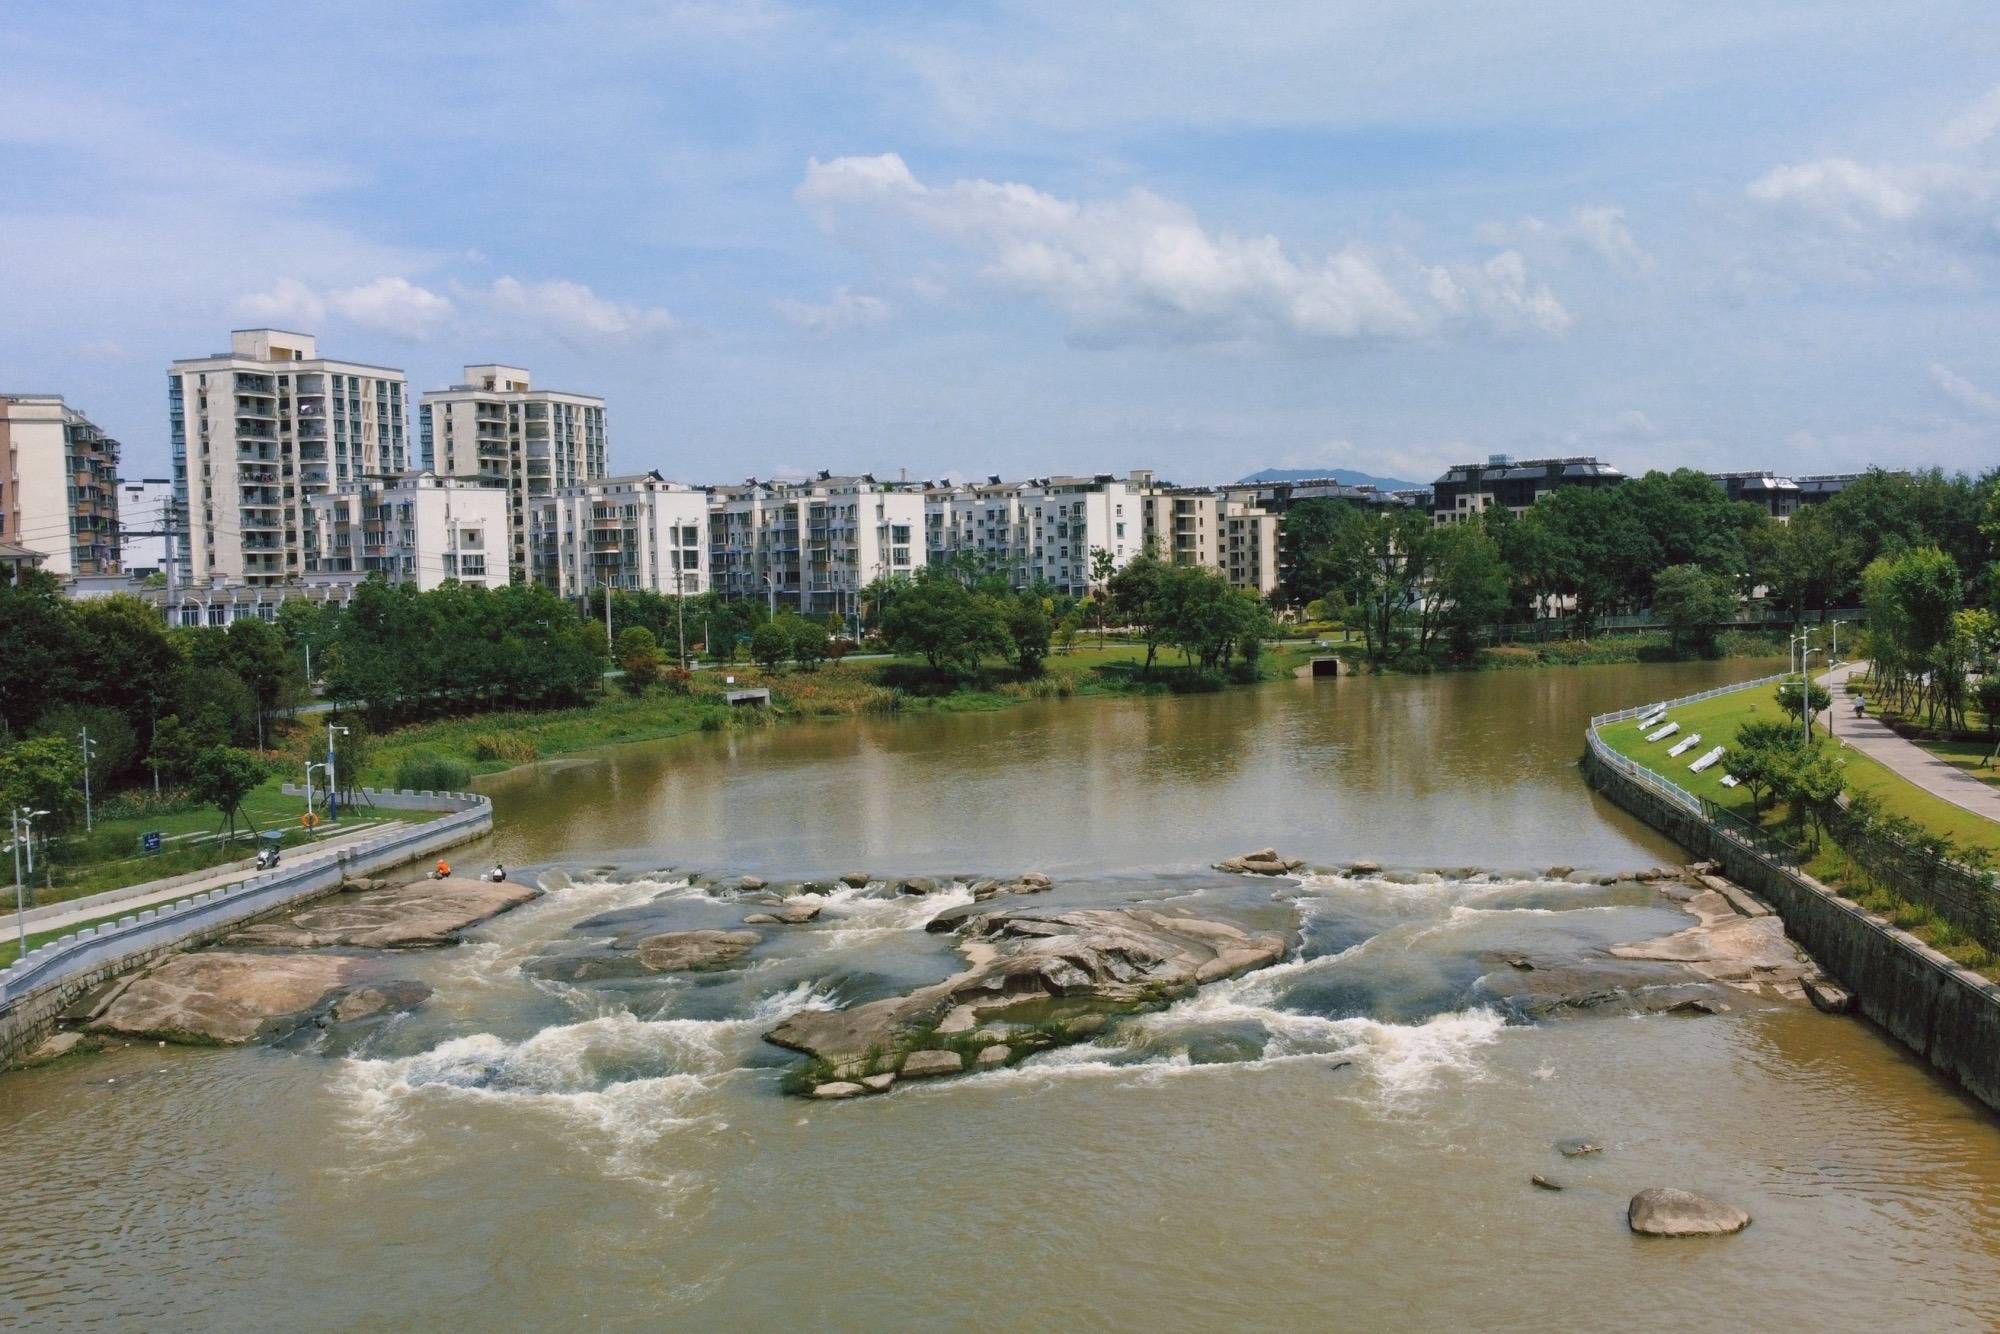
(1912, 762)
(133, 898)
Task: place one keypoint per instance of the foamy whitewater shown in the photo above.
(1377, 984)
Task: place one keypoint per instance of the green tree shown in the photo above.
(770, 645)
(638, 658)
(1815, 696)
(256, 653)
(173, 750)
(1693, 603)
(943, 622)
(43, 773)
(352, 749)
(41, 649)
(1067, 629)
(113, 746)
(810, 644)
(1028, 631)
(222, 777)
(1468, 588)
(1102, 566)
(1759, 757)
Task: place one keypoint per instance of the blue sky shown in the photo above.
(1016, 238)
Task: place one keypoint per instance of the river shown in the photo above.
(1343, 1141)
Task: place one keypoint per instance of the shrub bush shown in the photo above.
(509, 746)
(427, 771)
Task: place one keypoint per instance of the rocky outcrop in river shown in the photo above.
(1033, 980)
(224, 998)
(422, 914)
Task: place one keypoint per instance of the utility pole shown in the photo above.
(610, 648)
(84, 736)
(680, 613)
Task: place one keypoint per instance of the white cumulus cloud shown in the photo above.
(1143, 267)
(1964, 392)
(288, 303)
(847, 309)
(572, 310)
(394, 306)
(1594, 229)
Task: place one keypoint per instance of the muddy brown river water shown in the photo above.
(1341, 1141)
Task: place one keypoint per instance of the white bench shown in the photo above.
(1662, 733)
(1705, 761)
(1688, 742)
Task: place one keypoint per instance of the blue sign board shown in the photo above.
(150, 842)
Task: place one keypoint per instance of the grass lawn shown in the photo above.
(1718, 721)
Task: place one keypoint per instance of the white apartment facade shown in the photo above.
(1041, 530)
(58, 485)
(416, 528)
(639, 532)
(979, 521)
(497, 428)
(146, 515)
(260, 430)
(814, 545)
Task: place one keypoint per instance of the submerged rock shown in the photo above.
(1033, 979)
(1545, 1183)
(916, 884)
(421, 914)
(838, 1089)
(381, 998)
(990, 1057)
(856, 879)
(1663, 1211)
(1578, 1148)
(641, 956)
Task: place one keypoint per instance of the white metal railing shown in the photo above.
(88, 948)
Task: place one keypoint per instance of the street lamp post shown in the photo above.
(332, 789)
(89, 747)
(23, 828)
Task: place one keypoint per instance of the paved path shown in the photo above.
(140, 896)
(1873, 739)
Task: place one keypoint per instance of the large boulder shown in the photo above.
(1662, 1211)
(224, 999)
(1264, 861)
(380, 998)
(681, 951)
(424, 913)
(924, 1064)
(856, 879)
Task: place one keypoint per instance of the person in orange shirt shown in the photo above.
(444, 868)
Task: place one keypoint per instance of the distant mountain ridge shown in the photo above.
(1347, 476)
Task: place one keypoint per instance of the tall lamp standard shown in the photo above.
(23, 832)
(332, 788)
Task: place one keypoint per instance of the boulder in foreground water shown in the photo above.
(225, 999)
(1663, 1211)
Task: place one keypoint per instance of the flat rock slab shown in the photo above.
(419, 915)
(1735, 949)
(227, 998)
(1663, 1211)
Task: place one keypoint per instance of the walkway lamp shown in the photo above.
(23, 832)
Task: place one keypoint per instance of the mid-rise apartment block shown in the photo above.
(416, 528)
(497, 428)
(1469, 489)
(814, 545)
(147, 516)
(640, 532)
(261, 429)
(58, 485)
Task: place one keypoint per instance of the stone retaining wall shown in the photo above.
(1947, 1014)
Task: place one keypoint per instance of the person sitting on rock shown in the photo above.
(497, 874)
(443, 869)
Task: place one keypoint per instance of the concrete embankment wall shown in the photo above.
(39, 988)
(1947, 1014)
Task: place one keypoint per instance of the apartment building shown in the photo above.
(146, 516)
(814, 545)
(1249, 546)
(58, 485)
(980, 521)
(1776, 495)
(497, 428)
(1065, 519)
(415, 528)
(261, 429)
(1469, 489)
(1182, 525)
(638, 532)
